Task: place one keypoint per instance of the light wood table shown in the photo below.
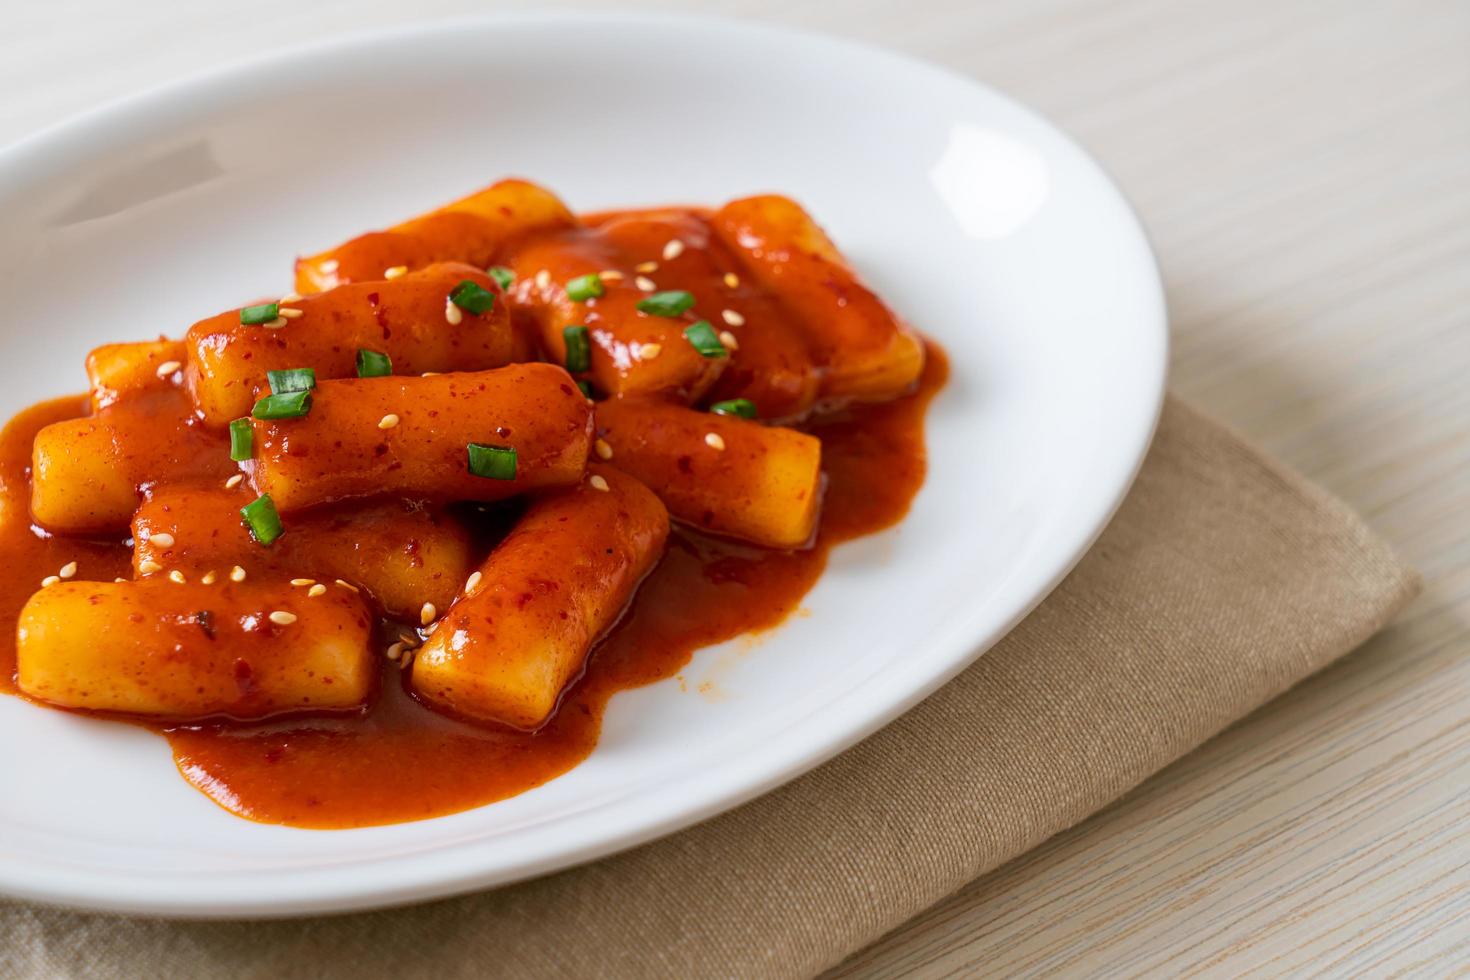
(1304, 169)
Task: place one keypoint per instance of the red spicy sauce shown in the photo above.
(400, 761)
(397, 760)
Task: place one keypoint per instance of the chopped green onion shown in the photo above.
(703, 338)
(579, 349)
(583, 288)
(264, 313)
(668, 303)
(242, 440)
(472, 297)
(261, 517)
(743, 407)
(492, 462)
(371, 364)
(502, 276)
(291, 379)
(289, 405)
(586, 387)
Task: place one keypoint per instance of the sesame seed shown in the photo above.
(471, 582)
(673, 249)
(289, 312)
(50, 580)
(646, 284)
(275, 324)
(388, 421)
(316, 590)
(148, 567)
(329, 266)
(604, 451)
(162, 539)
(647, 352)
(408, 639)
(234, 481)
(729, 340)
(646, 267)
(597, 482)
(452, 313)
(427, 613)
(237, 574)
(209, 577)
(543, 279)
(289, 298)
(299, 582)
(176, 577)
(431, 374)
(394, 651)
(393, 272)
(715, 441)
(732, 280)
(610, 275)
(167, 368)
(732, 318)
(119, 580)
(347, 585)
(407, 658)
(282, 618)
(68, 570)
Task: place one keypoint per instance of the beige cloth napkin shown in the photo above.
(1223, 580)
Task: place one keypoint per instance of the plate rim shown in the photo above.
(87, 889)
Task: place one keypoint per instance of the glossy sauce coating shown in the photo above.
(345, 447)
(773, 365)
(476, 229)
(187, 649)
(556, 583)
(720, 473)
(114, 370)
(789, 311)
(99, 467)
(632, 352)
(371, 768)
(404, 318)
(400, 553)
(865, 351)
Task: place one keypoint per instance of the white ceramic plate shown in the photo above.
(976, 219)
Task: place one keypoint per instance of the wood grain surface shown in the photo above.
(1304, 170)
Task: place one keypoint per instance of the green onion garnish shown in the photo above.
(472, 297)
(703, 338)
(261, 517)
(264, 313)
(371, 364)
(242, 440)
(586, 387)
(579, 349)
(291, 379)
(669, 303)
(290, 405)
(743, 407)
(583, 288)
(502, 276)
(492, 462)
